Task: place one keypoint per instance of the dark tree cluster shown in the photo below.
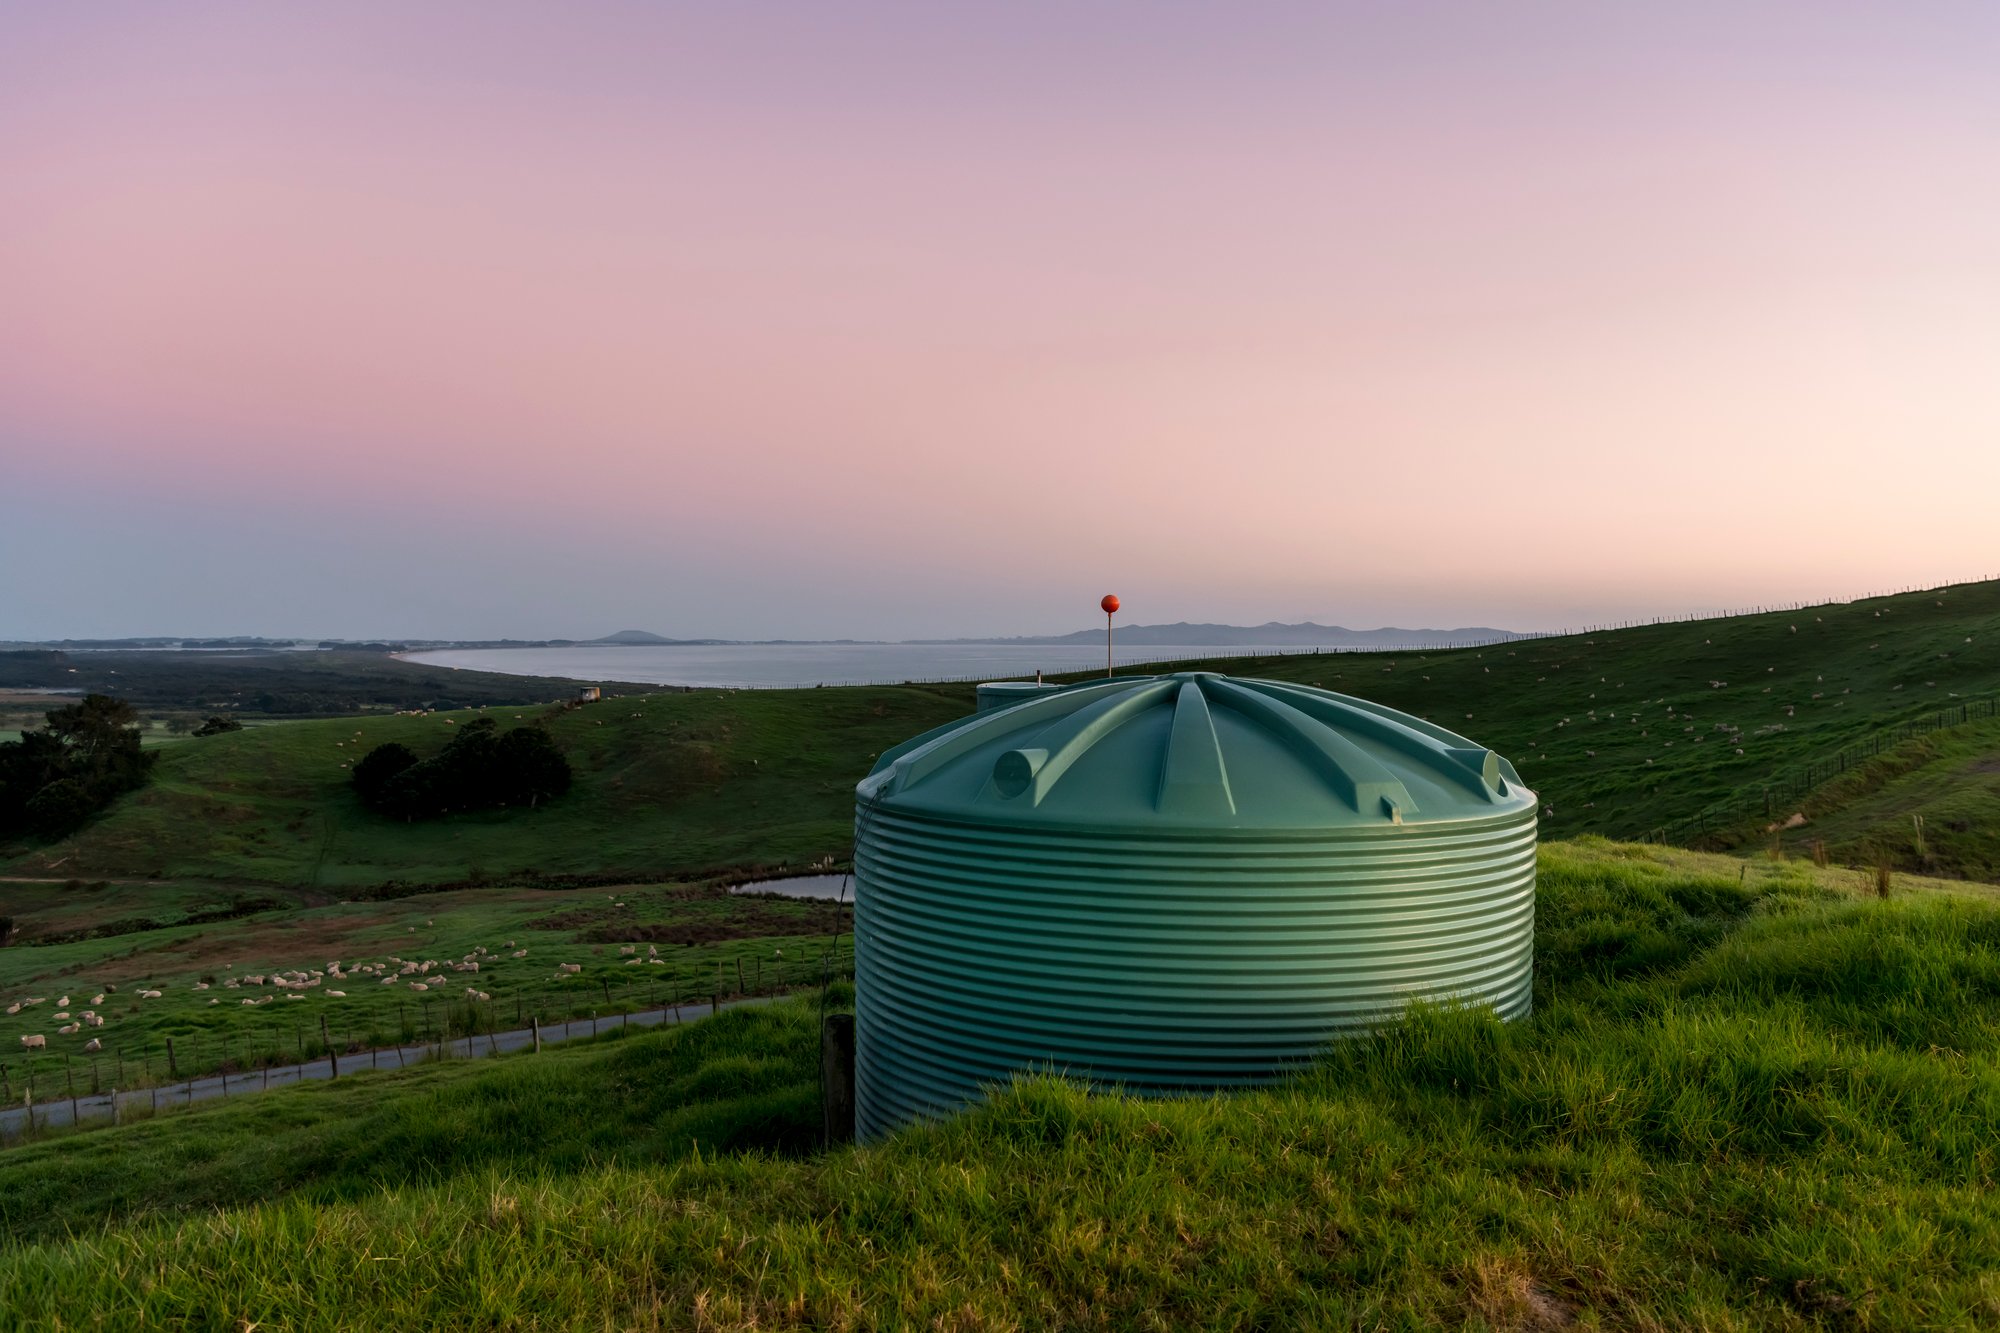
(480, 769)
(218, 724)
(53, 779)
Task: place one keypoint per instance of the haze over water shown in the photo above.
(762, 665)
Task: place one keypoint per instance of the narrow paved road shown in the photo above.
(66, 1111)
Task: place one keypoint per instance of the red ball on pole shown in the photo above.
(1110, 605)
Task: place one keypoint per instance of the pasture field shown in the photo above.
(1949, 780)
(1621, 732)
(746, 1079)
(1749, 1097)
(668, 786)
(687, 943)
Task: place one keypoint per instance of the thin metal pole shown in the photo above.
(1107, 643)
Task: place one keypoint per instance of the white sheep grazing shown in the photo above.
(626, 948)
(215, 1002)
(418, 985)
(63, 1003)
(93, 1045)
(95, 1020)
(69, 1029)
(35, 1041)
(251, 1003)
(97, 999)
(201, 985)
(60, 1013)
(634, 962)
(656, 962)
(14, 1008)
(481, 995)
(520, 953)
(336, 995)
(149, 995)
(295, 997)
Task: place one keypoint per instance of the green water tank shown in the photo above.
(1006, 693)
(1174, 883)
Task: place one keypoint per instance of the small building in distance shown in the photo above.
(589, 694)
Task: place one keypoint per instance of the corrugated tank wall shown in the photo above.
(980, 952)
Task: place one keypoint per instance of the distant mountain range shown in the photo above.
(1273, 634)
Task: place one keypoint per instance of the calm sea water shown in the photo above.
(754, 665)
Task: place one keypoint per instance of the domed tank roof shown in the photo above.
(1201, 750)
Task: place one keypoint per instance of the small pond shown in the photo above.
(800, 886)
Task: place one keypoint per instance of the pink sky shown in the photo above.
(885, 320)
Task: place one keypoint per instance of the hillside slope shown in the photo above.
(667, 784)
(1621, 732)
(1747, 1098)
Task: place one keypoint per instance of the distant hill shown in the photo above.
(1275, 634)
(635, 636)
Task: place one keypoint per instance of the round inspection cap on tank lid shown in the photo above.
(1200, 749)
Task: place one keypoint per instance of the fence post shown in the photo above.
(332, 1060)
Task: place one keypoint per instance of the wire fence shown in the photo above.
(1790, 787)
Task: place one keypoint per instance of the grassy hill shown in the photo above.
(1748, 1098)
(667, 785)
(1950, 781)
(1622, 732)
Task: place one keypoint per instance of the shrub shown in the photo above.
(215, 726)
(59, 808)
(377, 767)
(478, 770)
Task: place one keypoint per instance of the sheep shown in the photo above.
(520, 953)
(626, 948)
(634, 962)
(418, 985)
(97, 999)
(93, 1045)
(94, 1020)
(149, 995)
(14, 1008)
(569, 967)
(201, 985)
(336, 995)
(60, 1013)
(35, 1041)
(63, 1003)
(250, 1003)
(69, 1029)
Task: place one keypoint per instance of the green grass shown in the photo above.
(1621, 732)
(667, 785)
(1950, 779)
(705, 940)
(1749, 1097)
(746, 1079)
